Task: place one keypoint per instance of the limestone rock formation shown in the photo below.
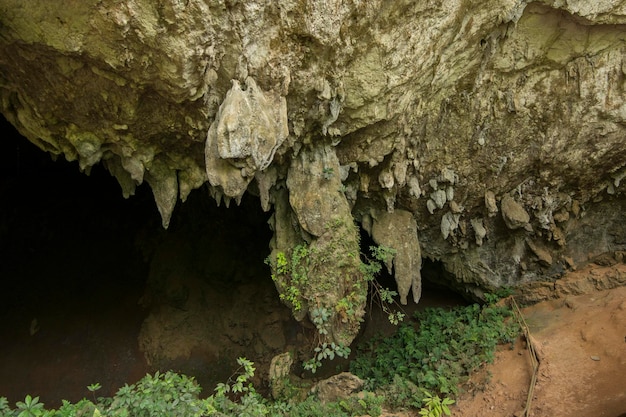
(398, 230)
(338, 387)
(326, 272)
(248, 128)
(513, 213)
(333, 110)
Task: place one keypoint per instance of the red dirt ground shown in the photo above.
(581, 345)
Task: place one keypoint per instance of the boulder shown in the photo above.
(338, 387)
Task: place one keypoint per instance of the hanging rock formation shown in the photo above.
(329, 277)
(398, 230)
(248, 128)
(498, 126)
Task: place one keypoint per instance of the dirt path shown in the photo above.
(581, 345)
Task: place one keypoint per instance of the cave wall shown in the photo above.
(498, 125)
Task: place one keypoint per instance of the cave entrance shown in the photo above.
(94, 290)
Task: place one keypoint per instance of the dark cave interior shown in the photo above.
(70, 274)
(76, 258)
(83, 270)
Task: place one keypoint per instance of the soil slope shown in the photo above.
(581, 345)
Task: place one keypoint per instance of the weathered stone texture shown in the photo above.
(248, 128)
(440, 109)
(513, 213)
(398, 230)
(338, 387)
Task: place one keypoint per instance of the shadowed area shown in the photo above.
(70, 276)
(94, 290)
(83, 269)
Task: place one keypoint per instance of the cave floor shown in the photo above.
(57, 339)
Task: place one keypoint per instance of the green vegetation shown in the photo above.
(31, 407)
(328, 173)
(174, 395)
(93, 388)
(436, 352)
(292, 278)
(435, 406)
(292, 275)
(324, 349)
(384, 296)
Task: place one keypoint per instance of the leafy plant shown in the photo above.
(365, 404)
(328, 173)
(435, 406)
(401, 393)
(31, 407)
(435, 352)
(93, 388)
(325, 351)
(291, 275)
(385, 297)
(320, 317)
(245, 400)
(243, 374)
(83, 408)
(5, 410)
(174, 395)
(158, 395)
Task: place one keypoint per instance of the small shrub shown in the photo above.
(291, 275)
(437, 352)
(242, 376)
(325, 351)
(401, 394)
(30, 407)
(385, 297)
(83, 408)
(5, 410)
(435, 406)
(161, 394)
(365, 404)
